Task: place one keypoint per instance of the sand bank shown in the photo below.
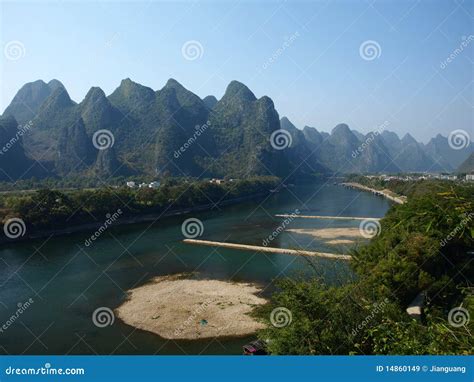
(329, 233)
(178, 308)
(245, 247)
(325, 217)
(385, 193)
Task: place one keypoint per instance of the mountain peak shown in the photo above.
(210, 101)
(408, 139)
(238, 90)
(341, 128)
(286, 124)
(55, 84)
(94, 94)
(172, 83)
(58, 99)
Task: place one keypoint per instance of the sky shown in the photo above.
(405, 65)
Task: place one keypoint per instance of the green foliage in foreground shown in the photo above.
(425, 246)
(49, 209)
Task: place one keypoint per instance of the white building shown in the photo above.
(154, 184)
(470, 177)
(131, 184)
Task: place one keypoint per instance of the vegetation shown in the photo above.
(401, 187)
(49, 209)
(424, 246)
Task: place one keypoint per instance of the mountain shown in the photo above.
(241, 126)
(29, 98)
(173, 132)
(13, 161)
(210, 101)
(302, 154)
(468, 165)
(448, 157)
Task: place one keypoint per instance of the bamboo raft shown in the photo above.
(325, 217)
(257, 248)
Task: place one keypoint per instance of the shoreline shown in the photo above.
(399, 199)
(129, 220)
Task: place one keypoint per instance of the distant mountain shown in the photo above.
(173, 132)
(13, 161)
(449, 159)
(29, 98)
(468, 165)
(210, 101)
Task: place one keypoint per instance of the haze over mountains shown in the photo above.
(173, 132)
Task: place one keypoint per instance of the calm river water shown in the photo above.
(67, 281)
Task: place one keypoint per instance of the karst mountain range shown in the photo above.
(173, 132)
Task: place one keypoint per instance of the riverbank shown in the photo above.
(128, 220)
(390, 195)
(174, 307)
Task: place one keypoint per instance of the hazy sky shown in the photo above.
(306, 56)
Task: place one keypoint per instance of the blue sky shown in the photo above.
(304, 55)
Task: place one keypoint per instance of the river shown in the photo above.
(67, 280)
